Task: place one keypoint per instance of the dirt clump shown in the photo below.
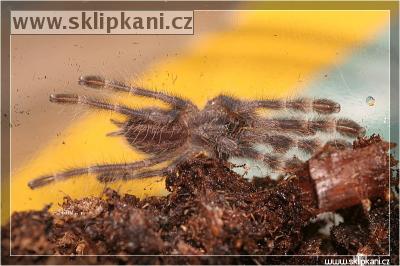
(211, 210)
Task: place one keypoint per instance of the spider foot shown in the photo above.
(92, 81)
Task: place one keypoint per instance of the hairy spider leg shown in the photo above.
(275, 162)
(306, 105)
(152, 114)
(112, 177)
(84, 100)
(98, 82)
(344, 127)
(96, 169)
(283, 143)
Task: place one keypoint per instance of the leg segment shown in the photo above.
(151, 114)
(276, 163)
(280, 164)
(114, 176)
(76, 99)
(321, 106)
(98, 82)
(283, 143)
(345, 127)
(96, 169)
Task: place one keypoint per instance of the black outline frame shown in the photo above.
(7, 6)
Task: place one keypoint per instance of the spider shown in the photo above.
(226, 127)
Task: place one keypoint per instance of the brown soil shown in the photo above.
(211, 210)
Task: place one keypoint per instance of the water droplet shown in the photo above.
(370, 101)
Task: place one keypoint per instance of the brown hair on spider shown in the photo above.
(226, 127)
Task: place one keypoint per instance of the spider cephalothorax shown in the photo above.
(224, 128)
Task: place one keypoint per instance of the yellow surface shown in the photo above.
(263, 54)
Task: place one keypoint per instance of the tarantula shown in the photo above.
(226, 127)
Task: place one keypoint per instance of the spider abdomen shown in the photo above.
(155, 138)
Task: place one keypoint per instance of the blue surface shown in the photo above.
(365, 73)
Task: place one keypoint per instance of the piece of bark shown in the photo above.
(344, 178)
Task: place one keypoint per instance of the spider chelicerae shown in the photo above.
(226, 127)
